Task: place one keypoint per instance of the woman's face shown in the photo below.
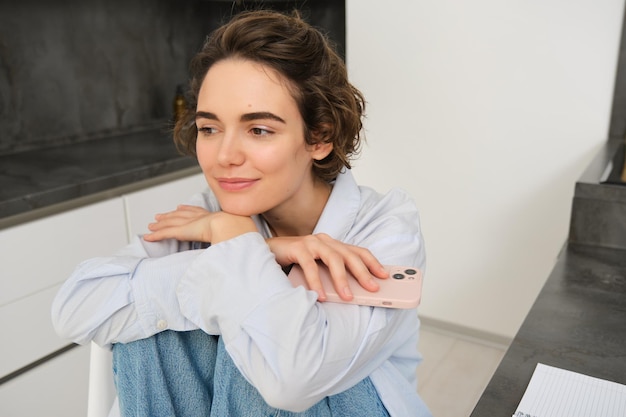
(250, 143)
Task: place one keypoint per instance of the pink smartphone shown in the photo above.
(402, 289)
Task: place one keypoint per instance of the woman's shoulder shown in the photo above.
(389, 225)
(390, 213)
(395, 200)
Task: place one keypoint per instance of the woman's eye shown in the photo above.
(206, 131)
(259, 131)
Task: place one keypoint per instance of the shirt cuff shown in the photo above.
(154, 284)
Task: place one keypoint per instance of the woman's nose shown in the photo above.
(230, 151)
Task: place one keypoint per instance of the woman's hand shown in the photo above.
(195, 224)
(338, 256)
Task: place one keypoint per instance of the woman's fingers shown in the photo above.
(358, 261)
(344, 262)
(339, 277)
(312, 277)
(184, 223)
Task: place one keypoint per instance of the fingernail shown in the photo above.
(347, 292)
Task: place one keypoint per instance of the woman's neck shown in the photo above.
(301, 216)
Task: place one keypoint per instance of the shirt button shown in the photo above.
(161, 324)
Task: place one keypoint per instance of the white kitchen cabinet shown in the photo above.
(42, 253)
(37, 257)
(27, 331)
(57, 388)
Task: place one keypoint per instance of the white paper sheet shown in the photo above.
(554, 392)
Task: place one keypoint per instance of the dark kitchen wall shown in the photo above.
(72, 68)
(78, 69)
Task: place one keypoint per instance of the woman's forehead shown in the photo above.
(244, 84)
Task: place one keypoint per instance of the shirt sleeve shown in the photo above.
(130, 295)
(125, 297)
(294, 350)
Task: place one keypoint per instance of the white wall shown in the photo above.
(487, 112)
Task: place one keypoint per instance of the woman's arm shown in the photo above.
(192, 223)
(130, 295)
(125, 297)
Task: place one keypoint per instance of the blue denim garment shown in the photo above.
(190, 374)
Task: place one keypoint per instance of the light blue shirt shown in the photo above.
(293, 349)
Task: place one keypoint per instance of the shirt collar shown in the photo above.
(340, 211)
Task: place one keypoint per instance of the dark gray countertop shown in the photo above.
(578, 323)
(38, 179)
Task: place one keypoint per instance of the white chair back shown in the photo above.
(102, 394)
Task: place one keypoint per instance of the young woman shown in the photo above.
(200, 314)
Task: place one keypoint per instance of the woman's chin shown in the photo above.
(239, 211)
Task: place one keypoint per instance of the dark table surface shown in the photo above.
(578, 323)
(36, 179)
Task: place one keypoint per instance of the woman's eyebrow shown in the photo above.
(206, 115)
(265, 115)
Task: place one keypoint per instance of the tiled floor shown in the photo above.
(455, 370)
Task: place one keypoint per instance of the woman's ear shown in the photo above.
(321, 150)
(323, 146)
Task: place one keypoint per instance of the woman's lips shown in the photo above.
(235, 184)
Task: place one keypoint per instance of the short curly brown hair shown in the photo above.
(331, 107)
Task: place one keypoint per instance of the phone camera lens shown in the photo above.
(398, 276)
(410, 271)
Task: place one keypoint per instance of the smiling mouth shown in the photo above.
(235, 184)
